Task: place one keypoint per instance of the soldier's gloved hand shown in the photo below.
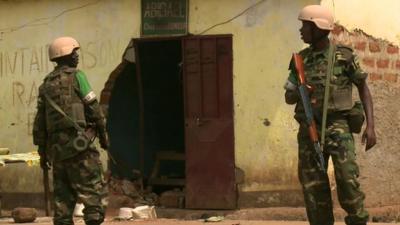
(44, 163)
(104, 144)
(103, 139)
(369, 138)
(291, 97)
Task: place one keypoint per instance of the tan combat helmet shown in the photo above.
(320, 15)
(62, 46)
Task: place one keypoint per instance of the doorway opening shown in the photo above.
(170, 117)
(163, 117)
(155, 107)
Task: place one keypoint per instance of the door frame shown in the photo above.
(201, 130)
(137, 42)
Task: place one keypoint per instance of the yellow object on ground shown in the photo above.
(30, 158)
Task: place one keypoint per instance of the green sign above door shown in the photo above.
(164, 17)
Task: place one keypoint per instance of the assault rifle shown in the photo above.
(46, 186)
(305, 99)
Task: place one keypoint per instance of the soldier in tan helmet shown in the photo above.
(343, 119)
(67, 121)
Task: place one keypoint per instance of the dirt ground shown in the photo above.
(110, 221)
(381, 214)
(253, 216)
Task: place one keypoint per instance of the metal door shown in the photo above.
(209, 134)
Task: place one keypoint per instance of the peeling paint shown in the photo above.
(378, 18)
(380, 58)
(24, 63)
(256, 15)
(267, 154)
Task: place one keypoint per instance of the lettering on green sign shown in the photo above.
(164, 9)
(164, 17)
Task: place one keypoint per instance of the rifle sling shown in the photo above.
(331, 59)
(58, 109)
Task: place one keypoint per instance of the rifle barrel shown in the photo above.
(46, 186)
(305, 99)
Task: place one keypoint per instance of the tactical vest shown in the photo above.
(62, 87)
(315, 69)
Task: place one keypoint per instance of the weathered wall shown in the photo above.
(381, 60)
(26, 29)
(374, 32)
(263, 40)
(377, 18)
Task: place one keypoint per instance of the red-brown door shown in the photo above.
(209, 135)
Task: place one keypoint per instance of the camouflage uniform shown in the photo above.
(77, 173)
(339, 140)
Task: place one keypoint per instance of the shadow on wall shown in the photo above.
(122, 123)
(162, 92)
(163, 104)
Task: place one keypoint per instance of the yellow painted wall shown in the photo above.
(103, 28)
(263, 40)
(377, 18)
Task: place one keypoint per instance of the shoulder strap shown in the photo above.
(331, 60)
(58, 109)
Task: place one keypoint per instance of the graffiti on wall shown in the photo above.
(24, 68)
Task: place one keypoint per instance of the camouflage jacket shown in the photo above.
(70, 90)
(346, 72)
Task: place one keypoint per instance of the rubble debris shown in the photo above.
(140, 212)
(214, 219)
(24, 215)
(144, 212)
(129, 193)
(172, 199)
(125, 213)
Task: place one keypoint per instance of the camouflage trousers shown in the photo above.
(81, 179)
(316, 189)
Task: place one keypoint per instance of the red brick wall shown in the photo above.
(379, 167)
(109, 85)
(378, 57)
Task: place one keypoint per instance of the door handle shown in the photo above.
(200, 122)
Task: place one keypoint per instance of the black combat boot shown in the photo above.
(93, 222)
